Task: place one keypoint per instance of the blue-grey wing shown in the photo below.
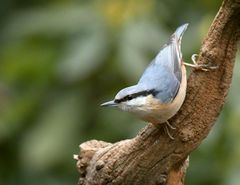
(164, 72)
(164, 83)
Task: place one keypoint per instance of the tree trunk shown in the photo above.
(151, 157)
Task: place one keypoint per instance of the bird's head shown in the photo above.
(131, 99)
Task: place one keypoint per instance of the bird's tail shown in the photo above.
(180, 31)
(177, 38)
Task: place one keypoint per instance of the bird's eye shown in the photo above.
(129, 97)
(117, 101)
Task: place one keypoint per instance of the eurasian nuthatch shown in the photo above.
(161, 90)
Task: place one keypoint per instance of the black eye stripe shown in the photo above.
(142, 93)
(117, 101)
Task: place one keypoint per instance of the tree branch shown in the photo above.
(151, 157)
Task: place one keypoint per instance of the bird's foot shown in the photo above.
(170, 126)
(166, 127)
(203, 67)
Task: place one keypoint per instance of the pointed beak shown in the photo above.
(109, 104)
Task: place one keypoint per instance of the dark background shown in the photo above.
(60, 59)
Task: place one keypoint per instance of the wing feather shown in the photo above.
(164, 72)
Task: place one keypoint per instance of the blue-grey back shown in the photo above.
(164, 82)
(164, 72)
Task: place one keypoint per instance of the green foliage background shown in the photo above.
(60, 59)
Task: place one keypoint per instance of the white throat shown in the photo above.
(134, 104)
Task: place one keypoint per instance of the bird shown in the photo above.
(161, 90)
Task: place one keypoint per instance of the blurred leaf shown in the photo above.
(43, 145)
(53, 21)
(138, 40)
(232, 177)
(83, 56)
(118, 12)
(19, 108)
(113, 129)
(27, 62)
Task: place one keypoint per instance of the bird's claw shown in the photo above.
(207, 67)
(170, 126)
(203, 67)
(165, 126)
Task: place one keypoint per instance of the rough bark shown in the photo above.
(151, 157)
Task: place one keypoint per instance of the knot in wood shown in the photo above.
(99, 165)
